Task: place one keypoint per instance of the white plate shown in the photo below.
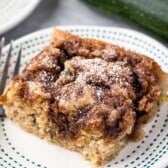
(12, 12)
(23, 150)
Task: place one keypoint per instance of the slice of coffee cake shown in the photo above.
(85, 95)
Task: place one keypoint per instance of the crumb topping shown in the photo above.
(102, 88)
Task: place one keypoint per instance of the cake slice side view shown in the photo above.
(85, 95)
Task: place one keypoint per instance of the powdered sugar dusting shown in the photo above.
(99, 72)
(49, 62)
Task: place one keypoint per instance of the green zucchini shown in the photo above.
(151, 14)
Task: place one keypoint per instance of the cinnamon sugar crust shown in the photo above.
(85, 94)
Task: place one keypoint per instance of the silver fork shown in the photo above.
(6, 68)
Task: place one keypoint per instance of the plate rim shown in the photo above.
(68, 27)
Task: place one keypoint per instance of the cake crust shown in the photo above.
(85, 95)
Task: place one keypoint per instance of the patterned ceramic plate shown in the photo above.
(19, 149)
(12, 12)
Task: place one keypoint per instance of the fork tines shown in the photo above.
(17, 65)
(6, 67)
(5, 70)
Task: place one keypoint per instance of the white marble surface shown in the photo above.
(68, 12)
